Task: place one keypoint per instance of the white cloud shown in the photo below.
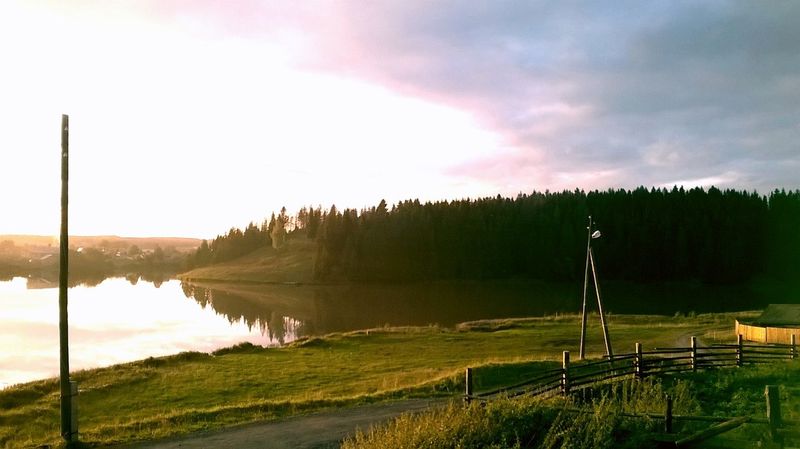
(663, 154)
(721, 180)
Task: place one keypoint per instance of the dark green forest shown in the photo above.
(649, 235)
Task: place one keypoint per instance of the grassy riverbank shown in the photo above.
(292, 264)
(192, 391)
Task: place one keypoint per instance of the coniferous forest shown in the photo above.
(648, 235)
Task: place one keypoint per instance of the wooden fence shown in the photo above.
(572, 377)
(766, 334)
(638, 364)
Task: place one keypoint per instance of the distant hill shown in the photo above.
(181, 244)
(30, 240)
(293, 263)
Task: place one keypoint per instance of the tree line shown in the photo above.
(648, 235)
(271, 233)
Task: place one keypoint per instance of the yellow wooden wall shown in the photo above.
(767, 334)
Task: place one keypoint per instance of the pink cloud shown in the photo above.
(563, 88)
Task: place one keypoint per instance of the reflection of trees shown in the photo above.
(47, 279)
(281, 312)
(352, 307)
(79, 279)
(156, 277)
(277, 327)
(321, 310)
(187, 289)
(235, 309)
(87, 280)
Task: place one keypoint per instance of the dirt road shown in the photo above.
(319, 430)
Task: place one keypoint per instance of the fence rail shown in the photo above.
(638, 364)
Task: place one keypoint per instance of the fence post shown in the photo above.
(638, 369)
(565, 387)
(468, 386)
(694, 353)
(739, 354)
(794, 347)
(773, 411)
(668, 415)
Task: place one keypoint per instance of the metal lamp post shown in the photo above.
(591, 235)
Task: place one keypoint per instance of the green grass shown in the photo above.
(193, 391)
(740, 392)
(293, 263)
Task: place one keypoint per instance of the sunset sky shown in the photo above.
(189, 117)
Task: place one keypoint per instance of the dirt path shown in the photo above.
(319, 430)
(685, 341)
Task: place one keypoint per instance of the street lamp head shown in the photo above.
(596, 234)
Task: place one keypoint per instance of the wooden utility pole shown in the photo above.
(590, 263)
(582, 351)
(606, 337)
(66, 393)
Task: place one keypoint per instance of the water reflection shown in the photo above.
(155, 278)
(112, 322)
(275, 326)
(50, 280)
(130, 318)
(285, 312)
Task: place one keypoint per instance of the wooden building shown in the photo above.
(776, 324)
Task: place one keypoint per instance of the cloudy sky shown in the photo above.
(189, 117)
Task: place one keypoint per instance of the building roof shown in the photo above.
(780, 315)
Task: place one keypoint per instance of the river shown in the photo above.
(121, 320)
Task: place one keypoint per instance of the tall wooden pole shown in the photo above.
(66, 394)
(609, 352)
(582, 351)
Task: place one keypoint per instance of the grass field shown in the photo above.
(193, 391)
(294, 263)
(613, 419)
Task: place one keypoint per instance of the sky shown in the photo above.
(190, 117)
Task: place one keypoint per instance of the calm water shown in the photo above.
(120, 321)
(111, 323)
